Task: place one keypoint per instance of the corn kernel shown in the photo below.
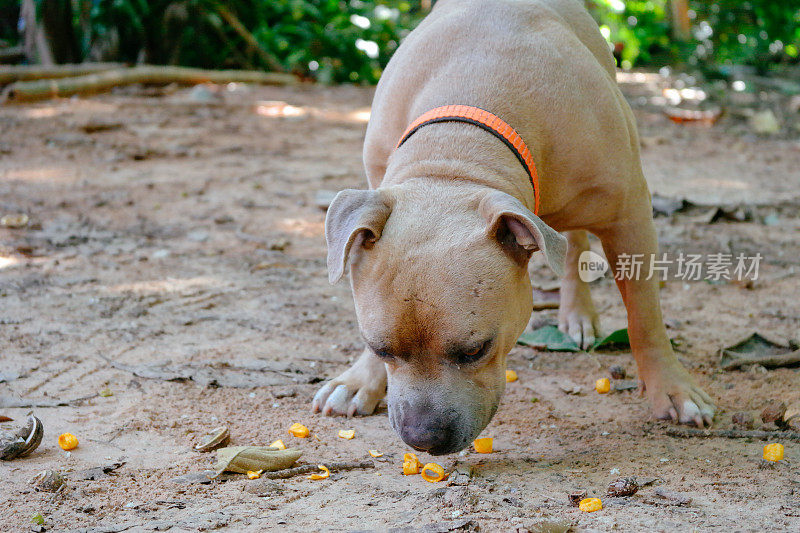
(602, 385)
(254, 474)
(773, 452)
(298, 430)
(347, 433)
(511, 376)
(375, 453)
(278, 444)
(590, 505)
(411, 464)
(437, 470)
(67, 441)
(483, 445)
(325, 473)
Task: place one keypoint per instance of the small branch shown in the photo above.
(310, 469)
(249, 38)
(686, 433)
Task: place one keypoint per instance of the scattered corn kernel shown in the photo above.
(254, 475)
(324, 475)
(590, 505)
(773, 452)
(347, 433)
(105, 393)
(602, 385)
(375, 453)
(511, 376)
(483, 445)
(437, 470)
(278, 444)
(298, 430)
(411, 464)
(67, 441)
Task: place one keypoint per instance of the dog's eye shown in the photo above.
(384, 355)
(473, 354)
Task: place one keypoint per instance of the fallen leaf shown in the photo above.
(549, 338)
(241, 459)
(758, 349)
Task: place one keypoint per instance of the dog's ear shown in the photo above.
(354, 217)
(522, 232)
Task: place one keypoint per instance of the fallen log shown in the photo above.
(28, 91)
(10, 74)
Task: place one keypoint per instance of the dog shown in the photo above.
(439, 245)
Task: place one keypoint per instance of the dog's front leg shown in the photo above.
(356, 391)
(576, 313)
(671, 390)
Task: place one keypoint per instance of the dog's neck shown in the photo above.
(460, 152)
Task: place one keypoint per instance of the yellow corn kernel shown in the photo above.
(324, 475)
(347, 433)
(411, 464)
(278, 444)
(375, 453)
(483, 445)
(437, 470)
(602, 385)
(254, 474)
(773, 452)
(67, 441)
(590, 505)
(298, 430)
(511, 376)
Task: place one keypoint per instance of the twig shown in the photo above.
(9, 402)
(243, 32)
(308, 469)
(686, 433)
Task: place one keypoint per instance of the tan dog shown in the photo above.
(439, 245)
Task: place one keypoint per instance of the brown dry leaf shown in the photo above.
(242, 459)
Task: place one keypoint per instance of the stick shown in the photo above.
(686, 433)
(309, 469)
(37, 72)
(103, 81)
(239, 28)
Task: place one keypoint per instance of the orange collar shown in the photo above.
(487, 121)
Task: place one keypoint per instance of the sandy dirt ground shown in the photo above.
(175, 234)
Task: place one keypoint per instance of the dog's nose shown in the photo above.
(425, 439)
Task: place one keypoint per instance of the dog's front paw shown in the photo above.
(675, 396)
(356, 391)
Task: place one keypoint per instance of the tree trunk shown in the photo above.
(681, 25)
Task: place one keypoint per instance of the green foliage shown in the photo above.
(754, 32)
(335, 41)
(328, 40)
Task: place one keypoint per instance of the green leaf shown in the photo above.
(549, 338)
(617, 340)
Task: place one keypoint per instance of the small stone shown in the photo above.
(15, 221)
(625, 486)
(617, 372)
(48, 481)
(765, 122)
(773, 413)
(576, 497)
(743, 419)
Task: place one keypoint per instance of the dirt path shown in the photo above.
(167, 230)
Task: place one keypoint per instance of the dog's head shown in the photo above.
(441, 287)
